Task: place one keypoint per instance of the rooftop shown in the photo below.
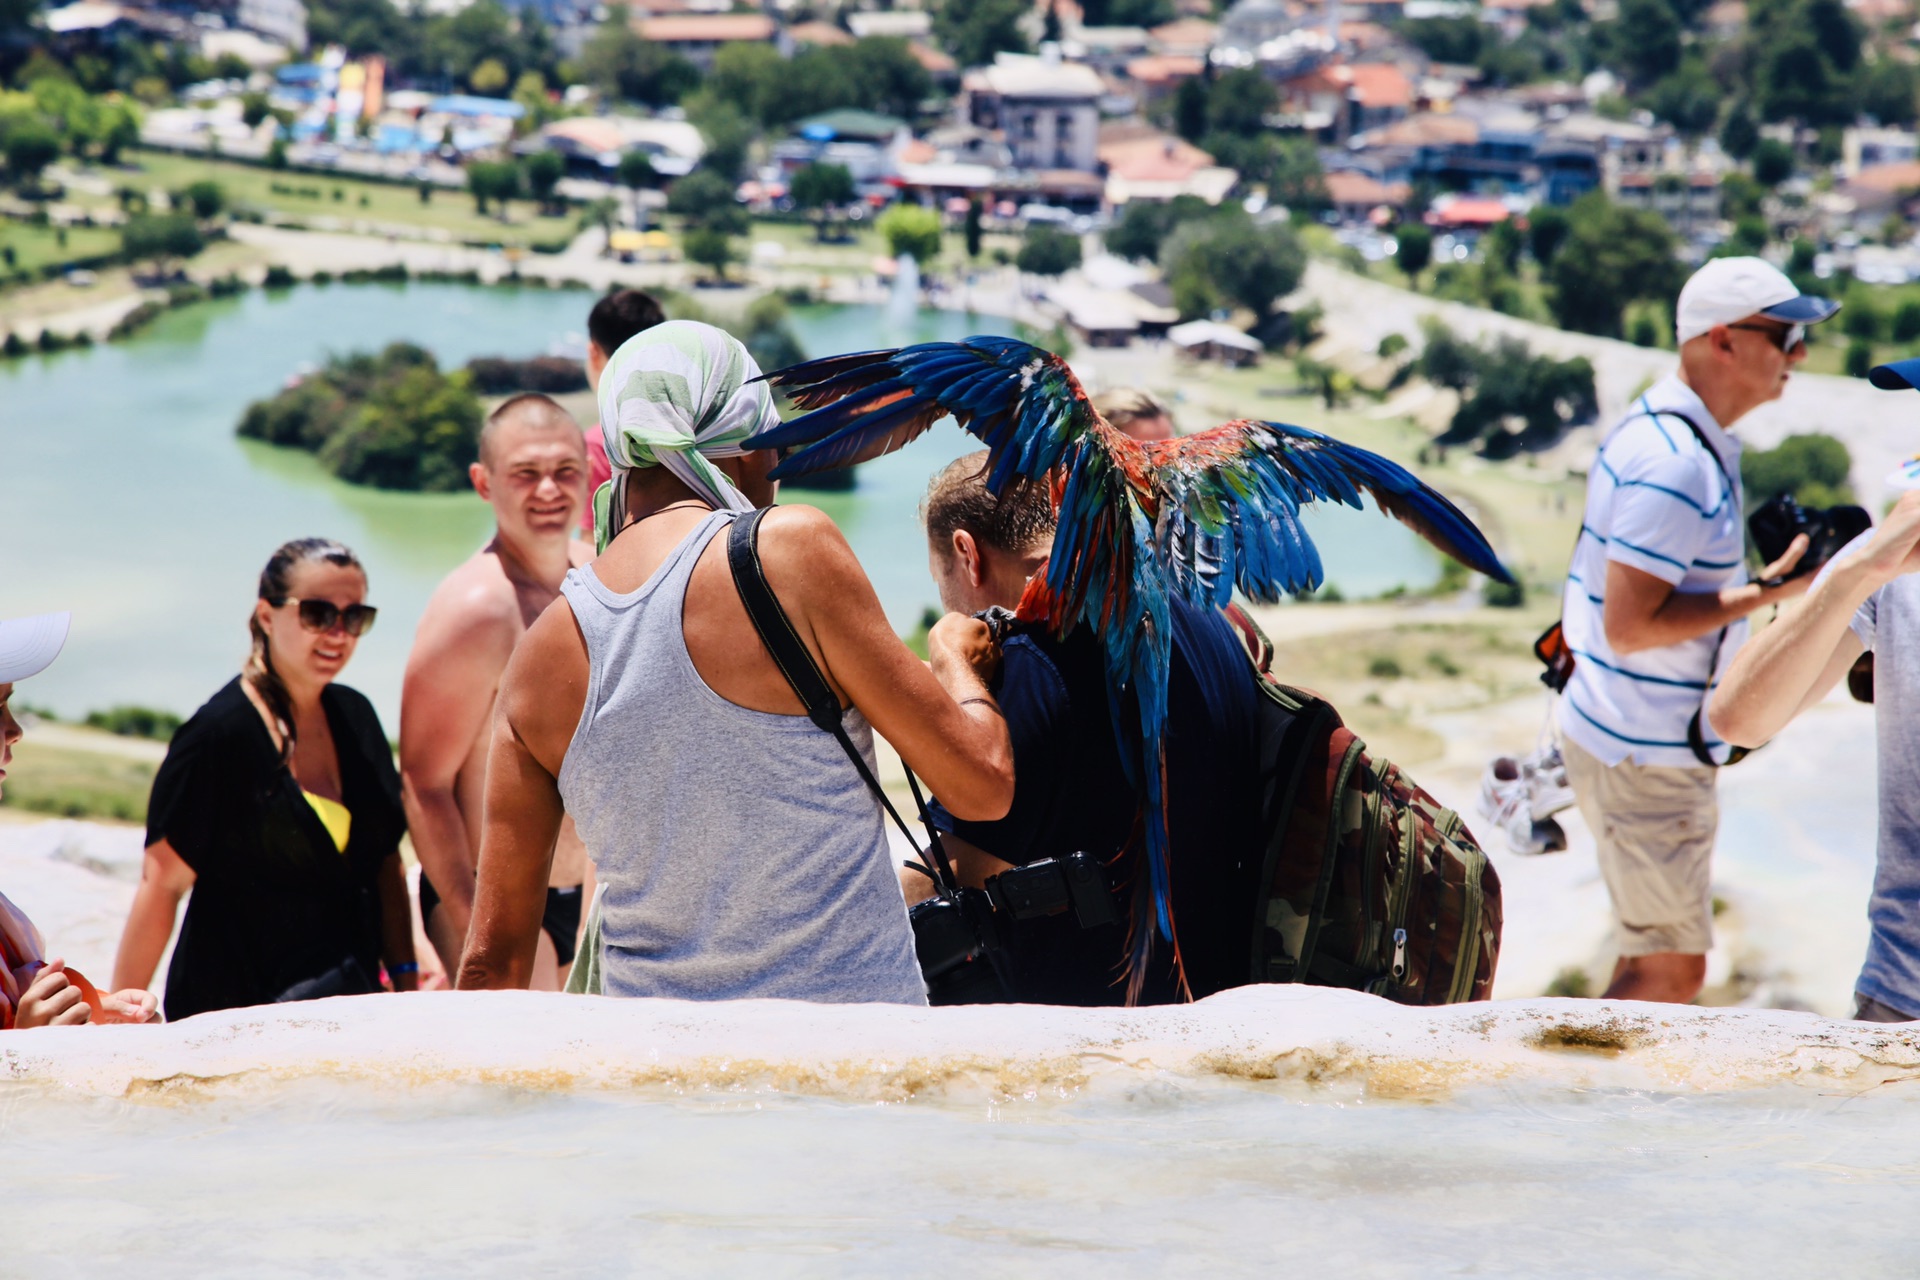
(1015, 75)
(818, 33)
(1344, 186)
(1164, 68)
(701, 28)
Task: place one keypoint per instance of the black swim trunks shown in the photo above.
(561, 919)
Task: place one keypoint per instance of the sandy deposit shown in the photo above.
(1282, 1034)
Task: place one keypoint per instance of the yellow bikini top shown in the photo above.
(334, 816)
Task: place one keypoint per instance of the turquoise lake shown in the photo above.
(129, 500)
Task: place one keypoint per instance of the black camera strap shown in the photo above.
(790, 654)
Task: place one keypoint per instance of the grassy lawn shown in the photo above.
(35, 247)
(855, 255)
(312, 197)
(77, 783)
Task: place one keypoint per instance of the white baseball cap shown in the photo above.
(28, 645)
(1727, 290)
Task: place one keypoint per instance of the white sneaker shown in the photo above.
(1547, 787)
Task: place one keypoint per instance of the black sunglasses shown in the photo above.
(1787, 339)
(325, 615)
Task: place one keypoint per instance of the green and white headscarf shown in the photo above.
(674, 396)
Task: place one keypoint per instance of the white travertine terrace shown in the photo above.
(1299, 1036)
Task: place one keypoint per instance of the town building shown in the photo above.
(698, 36)
(1047, 110)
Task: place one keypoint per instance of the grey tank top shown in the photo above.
(742, 856)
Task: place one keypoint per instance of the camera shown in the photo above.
(1776, 522)
(957, 934)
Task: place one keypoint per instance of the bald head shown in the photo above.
(529, 413)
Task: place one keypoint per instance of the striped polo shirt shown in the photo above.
(1658, 502)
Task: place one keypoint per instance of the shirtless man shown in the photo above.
(533, 471)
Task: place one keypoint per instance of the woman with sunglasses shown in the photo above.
(279, 806)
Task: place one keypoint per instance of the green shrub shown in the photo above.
(392, 420)
(1906, 321)
(278, 277)
(136, 722)
(1859, 358)
(1384, 667)
(1815, 469)
(1505, 595)
(1392, 345)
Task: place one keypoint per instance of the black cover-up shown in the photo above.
(273, 903)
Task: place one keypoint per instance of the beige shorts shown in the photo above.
(1654, 826)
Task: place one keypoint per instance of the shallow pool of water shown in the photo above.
(1170, 1181)
(1279, 1130)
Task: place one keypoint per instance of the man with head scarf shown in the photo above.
(740, 852)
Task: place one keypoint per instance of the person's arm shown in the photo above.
(1646, 612)
(539, 705)
(457, 658)
(939, 715)
(1797, 661)
(972, 867)
(396, 924)
(51, 1000)
(164, 880)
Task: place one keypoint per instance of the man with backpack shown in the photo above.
(1866, 599)
(1071, 793)
(1655, 607)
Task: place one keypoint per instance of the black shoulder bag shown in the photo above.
(1551, 648)
(954, 928)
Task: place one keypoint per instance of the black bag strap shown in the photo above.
(790, 654)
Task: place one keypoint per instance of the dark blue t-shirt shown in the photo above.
(1071, 794)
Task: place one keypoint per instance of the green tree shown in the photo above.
(972, 228)
(751, 76)
(1048, 251)
(1413, 250)
(1546, 232)
(1612, 256)
(277, 154)
(1739, 135)
(705, 199)
(621, 63)
(30, 147)
(160, 239)
(726, 130)
(544, 171)
(1688, 99)
(489, 78)
(818, 188)
(1813, 469)
(418, 431)
(710, 248)
(1230, 258)
(205, 198)
(636, 170)
(1860, 318)
(1646, 41)
(1501, 246)
(1772, 162)
(1190, 109)
(493, 181)
(972, 31)
(1239, 102)
(1455, 40)
(1888, 90)
(912, 230)
(1906, 321)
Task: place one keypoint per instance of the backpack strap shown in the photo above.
(790, 654)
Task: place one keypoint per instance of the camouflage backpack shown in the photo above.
(1368, 882)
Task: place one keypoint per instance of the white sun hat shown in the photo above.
(27, 645)
(1727, 290)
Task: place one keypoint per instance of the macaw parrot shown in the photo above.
(1193, 517)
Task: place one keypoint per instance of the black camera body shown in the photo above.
(957, 936)
(1778, 521)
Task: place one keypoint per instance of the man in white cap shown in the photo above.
(1656, 604)
(1867, 599)
(36, 992)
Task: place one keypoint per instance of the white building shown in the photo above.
(282, 21)
(1047, 110)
